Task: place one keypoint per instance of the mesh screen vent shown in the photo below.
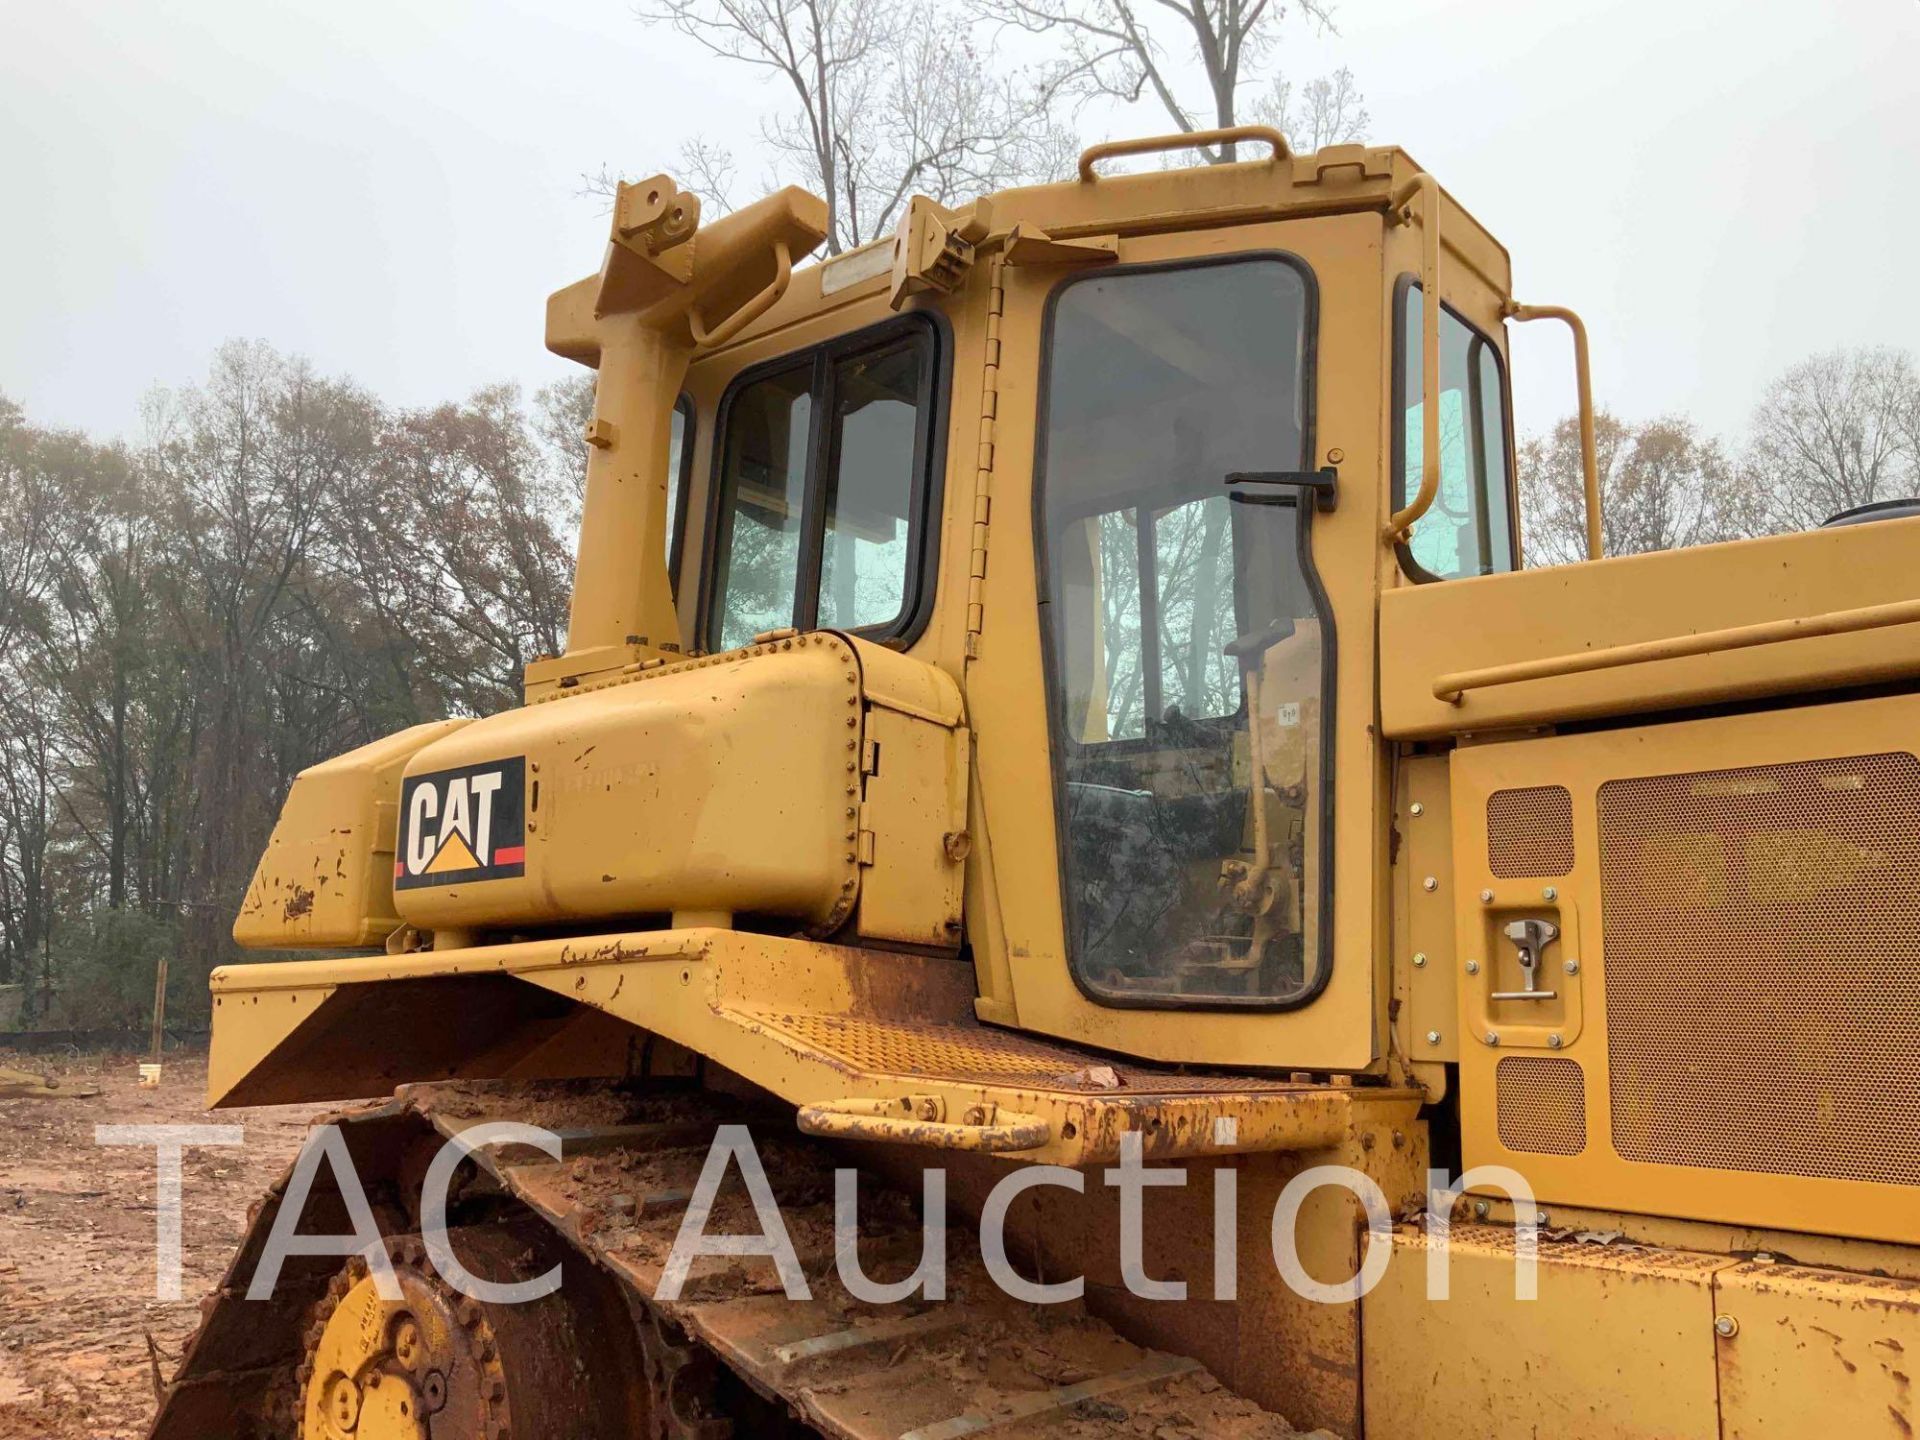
(1543, 1105)
(1530, 832)
(1762, 948)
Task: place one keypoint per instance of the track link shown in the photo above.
(733, 1355)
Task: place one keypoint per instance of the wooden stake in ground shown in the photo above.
(159, 1008)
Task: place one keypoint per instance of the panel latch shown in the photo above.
(1530, 938)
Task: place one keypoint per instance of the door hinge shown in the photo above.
(983, 457)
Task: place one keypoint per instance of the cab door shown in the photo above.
(1172, 686)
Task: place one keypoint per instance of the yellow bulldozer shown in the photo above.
(1058, 763)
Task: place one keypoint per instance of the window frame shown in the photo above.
(929, 476)
(1397, 409)
(1059, 746)
(682, 489)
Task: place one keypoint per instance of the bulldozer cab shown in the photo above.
(1124, 471)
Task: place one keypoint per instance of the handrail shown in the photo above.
(749, 312)
(1400, 212)
(1452, 688)
(1190, 139)
(864, 1118)
(1589, 461)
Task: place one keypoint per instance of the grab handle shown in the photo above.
(1187, 140)
(752, 310)
(1452, 688)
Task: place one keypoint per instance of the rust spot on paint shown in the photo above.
(299, 903)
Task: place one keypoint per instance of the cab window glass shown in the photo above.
(826, 529)
(863, 564)
(763, 489)
(1468, 530)
(1186, 643)
(679, 468)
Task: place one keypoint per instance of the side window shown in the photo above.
(825, 491)
(679, 473)
(756, 560)
(1468, 530)
(1188, 645)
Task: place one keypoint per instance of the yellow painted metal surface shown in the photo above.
(1565, 612)
(1801, 1045)
(731, 785)
(1619, 1345)
(1815, 1352)
(1425, 968)
(812, 1023)
(638, 323)
(326, 878)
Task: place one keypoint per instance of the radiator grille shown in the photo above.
(1530, 832)
(1762, 948)
(1543, 1105)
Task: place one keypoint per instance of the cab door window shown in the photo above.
(1188, 646)
(825, 497)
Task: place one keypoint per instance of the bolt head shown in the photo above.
(1419, 960)
(1725, 1326)
(1550, 893)
(1417, 808)
(1481, 1209)
(1493, 1037)
(1473, 967)
(1553, 1042)
(344, 1404)
(1433, 1037)
(1572, 967)
(1486, 897)
(1430, 883)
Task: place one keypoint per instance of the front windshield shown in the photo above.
(1186, 641)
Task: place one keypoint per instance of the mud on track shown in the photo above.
(76, 1240)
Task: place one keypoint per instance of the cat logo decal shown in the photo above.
(462, 825)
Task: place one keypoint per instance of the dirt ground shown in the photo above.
(77, 1229)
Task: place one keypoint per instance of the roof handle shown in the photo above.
(1188, 140)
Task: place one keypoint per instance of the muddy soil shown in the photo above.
(81, 1332)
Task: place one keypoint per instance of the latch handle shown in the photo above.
(1530, 937)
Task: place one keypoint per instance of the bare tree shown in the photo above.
(884, 101)
(1836, 431)
(1662, 485)
(708, 170)
(1129, 49)
(1326, 111)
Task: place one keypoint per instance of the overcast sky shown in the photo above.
(391, 187)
